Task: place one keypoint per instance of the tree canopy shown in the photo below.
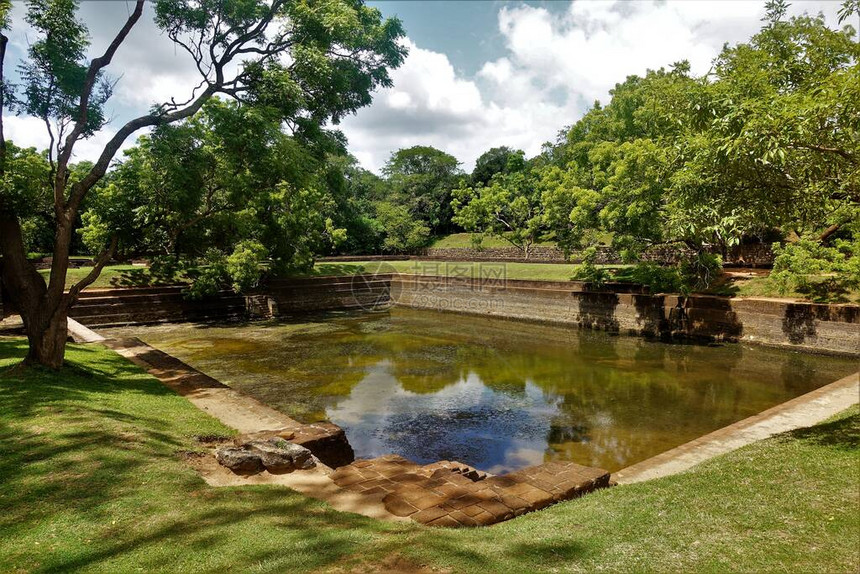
(309, 63)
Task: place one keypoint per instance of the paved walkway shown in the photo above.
(452, 494)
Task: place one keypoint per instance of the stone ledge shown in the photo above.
(325, 440)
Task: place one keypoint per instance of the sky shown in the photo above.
(479, 74)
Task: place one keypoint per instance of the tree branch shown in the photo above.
(96, 66)
(101, 261)
(80, 188)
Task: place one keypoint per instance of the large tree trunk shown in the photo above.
(47, 340)
(44, 312)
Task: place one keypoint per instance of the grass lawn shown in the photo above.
(111, 276)
(464, 240)
(532, 271)
(93, 478)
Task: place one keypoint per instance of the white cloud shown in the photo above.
(31, 132)
(553, 68)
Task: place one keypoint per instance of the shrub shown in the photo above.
(244, 265)
(210, 275)
(821, 272)
(588, 270)
(691, 273)
(658, 278)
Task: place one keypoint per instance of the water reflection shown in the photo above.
(496, 394)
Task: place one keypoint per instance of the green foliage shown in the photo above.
(766, 141)
(497, 160)
(209, 276)
(54, 74)
(421, 178)
(165, 269)
(822, 272)
(245, 265)
(510, 207)
(403, 232)
(228, 179)
(657, 277)
(689, 273)
(588, 270)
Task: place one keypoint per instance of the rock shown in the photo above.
(240, 460)
(279, 456)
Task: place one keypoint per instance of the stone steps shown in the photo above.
(453, 494)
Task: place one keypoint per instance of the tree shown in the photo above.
(356, 191)
(214, 184)
(496, 160)
(402, 231)
(311, 61)
(774, 133)
(421, 178)
(509, 207)
(767, 140)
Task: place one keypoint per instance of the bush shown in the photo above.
(210, 276)
(689, 274)
(588, 270)
(658, 278)
(821, 272)
(244, 265)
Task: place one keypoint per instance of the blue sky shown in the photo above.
(466, 31)
(479, 74)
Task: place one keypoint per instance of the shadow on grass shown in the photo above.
(843, 434)
(99, 443)
(142, 277)
(337, 269)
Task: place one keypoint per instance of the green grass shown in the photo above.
(93, 479)
(111, 276)
(464, 240)
(762, 287)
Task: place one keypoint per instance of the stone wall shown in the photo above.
(148, 305)
(626, 309)
(287, 296)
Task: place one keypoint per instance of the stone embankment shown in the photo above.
(624, 308)
(620, 308)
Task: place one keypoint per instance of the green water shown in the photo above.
(496, 394)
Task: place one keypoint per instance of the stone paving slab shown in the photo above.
(453, 494)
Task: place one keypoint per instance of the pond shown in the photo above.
(496, 394)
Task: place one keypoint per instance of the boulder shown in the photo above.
(240, 460)
(279, 456)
